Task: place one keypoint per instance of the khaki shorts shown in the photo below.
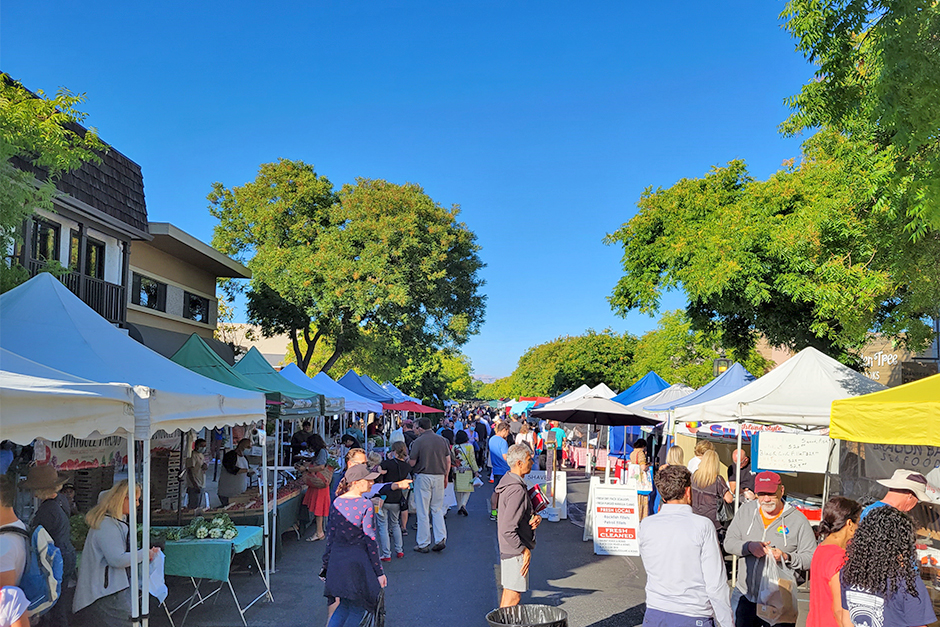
(511, 574)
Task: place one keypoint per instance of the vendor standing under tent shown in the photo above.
(196, 467)
(233, 480)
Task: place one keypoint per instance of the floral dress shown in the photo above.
(351, 558)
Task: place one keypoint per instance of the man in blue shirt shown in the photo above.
(905, 489)
(498, 446)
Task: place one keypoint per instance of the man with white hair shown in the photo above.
(516, 525)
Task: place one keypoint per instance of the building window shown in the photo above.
(94, 259)
(149, 293)
(45, 240)
(74, 243)
(195, 307)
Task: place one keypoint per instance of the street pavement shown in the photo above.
(455, 588)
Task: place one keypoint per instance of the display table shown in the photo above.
(212, 559)
(577, 456)
(290, 512)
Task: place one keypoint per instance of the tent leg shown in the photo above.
(268, 535)
(145, 583)
(132, 521)
(737, 501)
(607, 465)
(827, 478)
(587, 463)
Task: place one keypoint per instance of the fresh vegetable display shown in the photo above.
(79, 531)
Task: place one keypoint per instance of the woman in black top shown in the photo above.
(387, 518)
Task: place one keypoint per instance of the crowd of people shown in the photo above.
(862, 561)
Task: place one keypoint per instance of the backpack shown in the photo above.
(42, 578)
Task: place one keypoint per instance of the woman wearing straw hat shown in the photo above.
(46, 482)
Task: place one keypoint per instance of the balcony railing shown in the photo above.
(108, 299)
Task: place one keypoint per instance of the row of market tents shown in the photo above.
(66, 371)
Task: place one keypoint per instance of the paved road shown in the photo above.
(454, 588)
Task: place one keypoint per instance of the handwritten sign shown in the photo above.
(792, 452)
(544, 479)
(615, 520)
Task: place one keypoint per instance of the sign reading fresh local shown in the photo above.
(615, 520)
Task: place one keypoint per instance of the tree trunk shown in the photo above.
(302, 360)
(332, 360)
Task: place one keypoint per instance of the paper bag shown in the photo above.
(776, 599)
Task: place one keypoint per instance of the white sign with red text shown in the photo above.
(615, 520)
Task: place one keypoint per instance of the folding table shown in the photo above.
(212, 559)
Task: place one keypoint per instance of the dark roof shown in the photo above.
(115, 186)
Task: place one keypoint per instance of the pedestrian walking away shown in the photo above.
(685, 573)
(837, 526)
(430, 460)
(516, 526)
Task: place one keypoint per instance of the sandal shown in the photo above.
(314, 538)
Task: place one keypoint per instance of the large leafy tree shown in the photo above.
(877, 81)
(375, 259)
(804, 258)
(40, 139)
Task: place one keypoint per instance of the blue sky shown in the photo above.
(543, 121)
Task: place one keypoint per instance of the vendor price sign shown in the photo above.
(615, 521)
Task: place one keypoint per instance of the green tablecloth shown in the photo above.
(288, 513)
(208, 559)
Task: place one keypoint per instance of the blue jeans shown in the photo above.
(389, 513)
(658, 618)
(347, 613)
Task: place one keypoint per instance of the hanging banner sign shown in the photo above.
(73, 454)
(729, 430)
(615, 521)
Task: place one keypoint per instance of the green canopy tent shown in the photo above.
(256, 368)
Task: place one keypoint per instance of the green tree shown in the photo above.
(877, 81)
(680, 354)
(375, 258)
(40, 139)
(802, 258)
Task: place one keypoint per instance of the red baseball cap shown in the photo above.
(766, 482)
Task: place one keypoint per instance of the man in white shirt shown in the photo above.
(12, 544)
(686, 583)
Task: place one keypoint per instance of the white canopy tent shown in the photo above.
(44, 322)
(672, 393)
(573, 395)
(40, 402)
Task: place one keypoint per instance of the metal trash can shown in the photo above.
(528, 616)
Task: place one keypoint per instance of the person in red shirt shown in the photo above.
(839, 522)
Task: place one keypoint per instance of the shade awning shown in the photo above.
(905, 415)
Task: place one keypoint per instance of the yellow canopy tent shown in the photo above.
(907, 414)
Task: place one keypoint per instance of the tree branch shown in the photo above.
(302, 361)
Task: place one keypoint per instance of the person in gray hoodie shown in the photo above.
(516, 525)
(766, 527)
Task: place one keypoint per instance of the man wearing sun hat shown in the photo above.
(767, 527)
(906, 489)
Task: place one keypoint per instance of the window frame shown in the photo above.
(187, 310)
(136, 286)
(89, 244)
(38, 224)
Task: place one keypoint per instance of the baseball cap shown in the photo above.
(359, 472)
(908, 480)
(766, 482)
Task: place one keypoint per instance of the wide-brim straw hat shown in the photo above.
(45, 478)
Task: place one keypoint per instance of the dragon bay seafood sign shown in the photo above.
(615, 520)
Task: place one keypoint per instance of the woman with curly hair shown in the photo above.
(880, 582)
(837, 526)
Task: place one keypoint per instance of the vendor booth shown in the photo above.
(70, 337)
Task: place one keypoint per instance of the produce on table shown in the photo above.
(79, 531)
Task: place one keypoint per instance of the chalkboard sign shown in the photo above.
(792, 452)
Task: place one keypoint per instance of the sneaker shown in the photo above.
(422, 549)
(404, 532)
(385, 559)
(440, 546)
(400, 555)
(493, 515)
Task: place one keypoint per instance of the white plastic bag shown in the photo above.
(477, 482)
(776, 597)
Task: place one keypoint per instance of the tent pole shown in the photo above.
(607, 465)
(277, 448)
(264, 508)
(587, 463)
(179, 494)
(825, 499)
(737, 500)
(132, 522)
(145, 583)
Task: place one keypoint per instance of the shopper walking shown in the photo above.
(709, 490)
(467, 471)
(354, 573)
(880, 581)
(388, 517)
(837, 526)
(638, 476)
(685, 572)
(318, 477)
(516, 526)
(499, 447)
(430, 461)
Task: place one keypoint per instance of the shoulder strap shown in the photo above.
(16, 530)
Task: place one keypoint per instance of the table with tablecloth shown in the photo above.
(211, 559)
(577, 456)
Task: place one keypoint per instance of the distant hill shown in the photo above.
(485, 378)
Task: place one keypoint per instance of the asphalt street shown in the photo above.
(456, 587)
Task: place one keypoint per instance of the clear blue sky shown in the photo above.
(543, 121)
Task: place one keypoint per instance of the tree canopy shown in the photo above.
(44, 133)
(805, 258)
(373, 258)
(877, 81)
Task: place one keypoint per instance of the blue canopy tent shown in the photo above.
(734, 378)
(650, 384)
(364, 386)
